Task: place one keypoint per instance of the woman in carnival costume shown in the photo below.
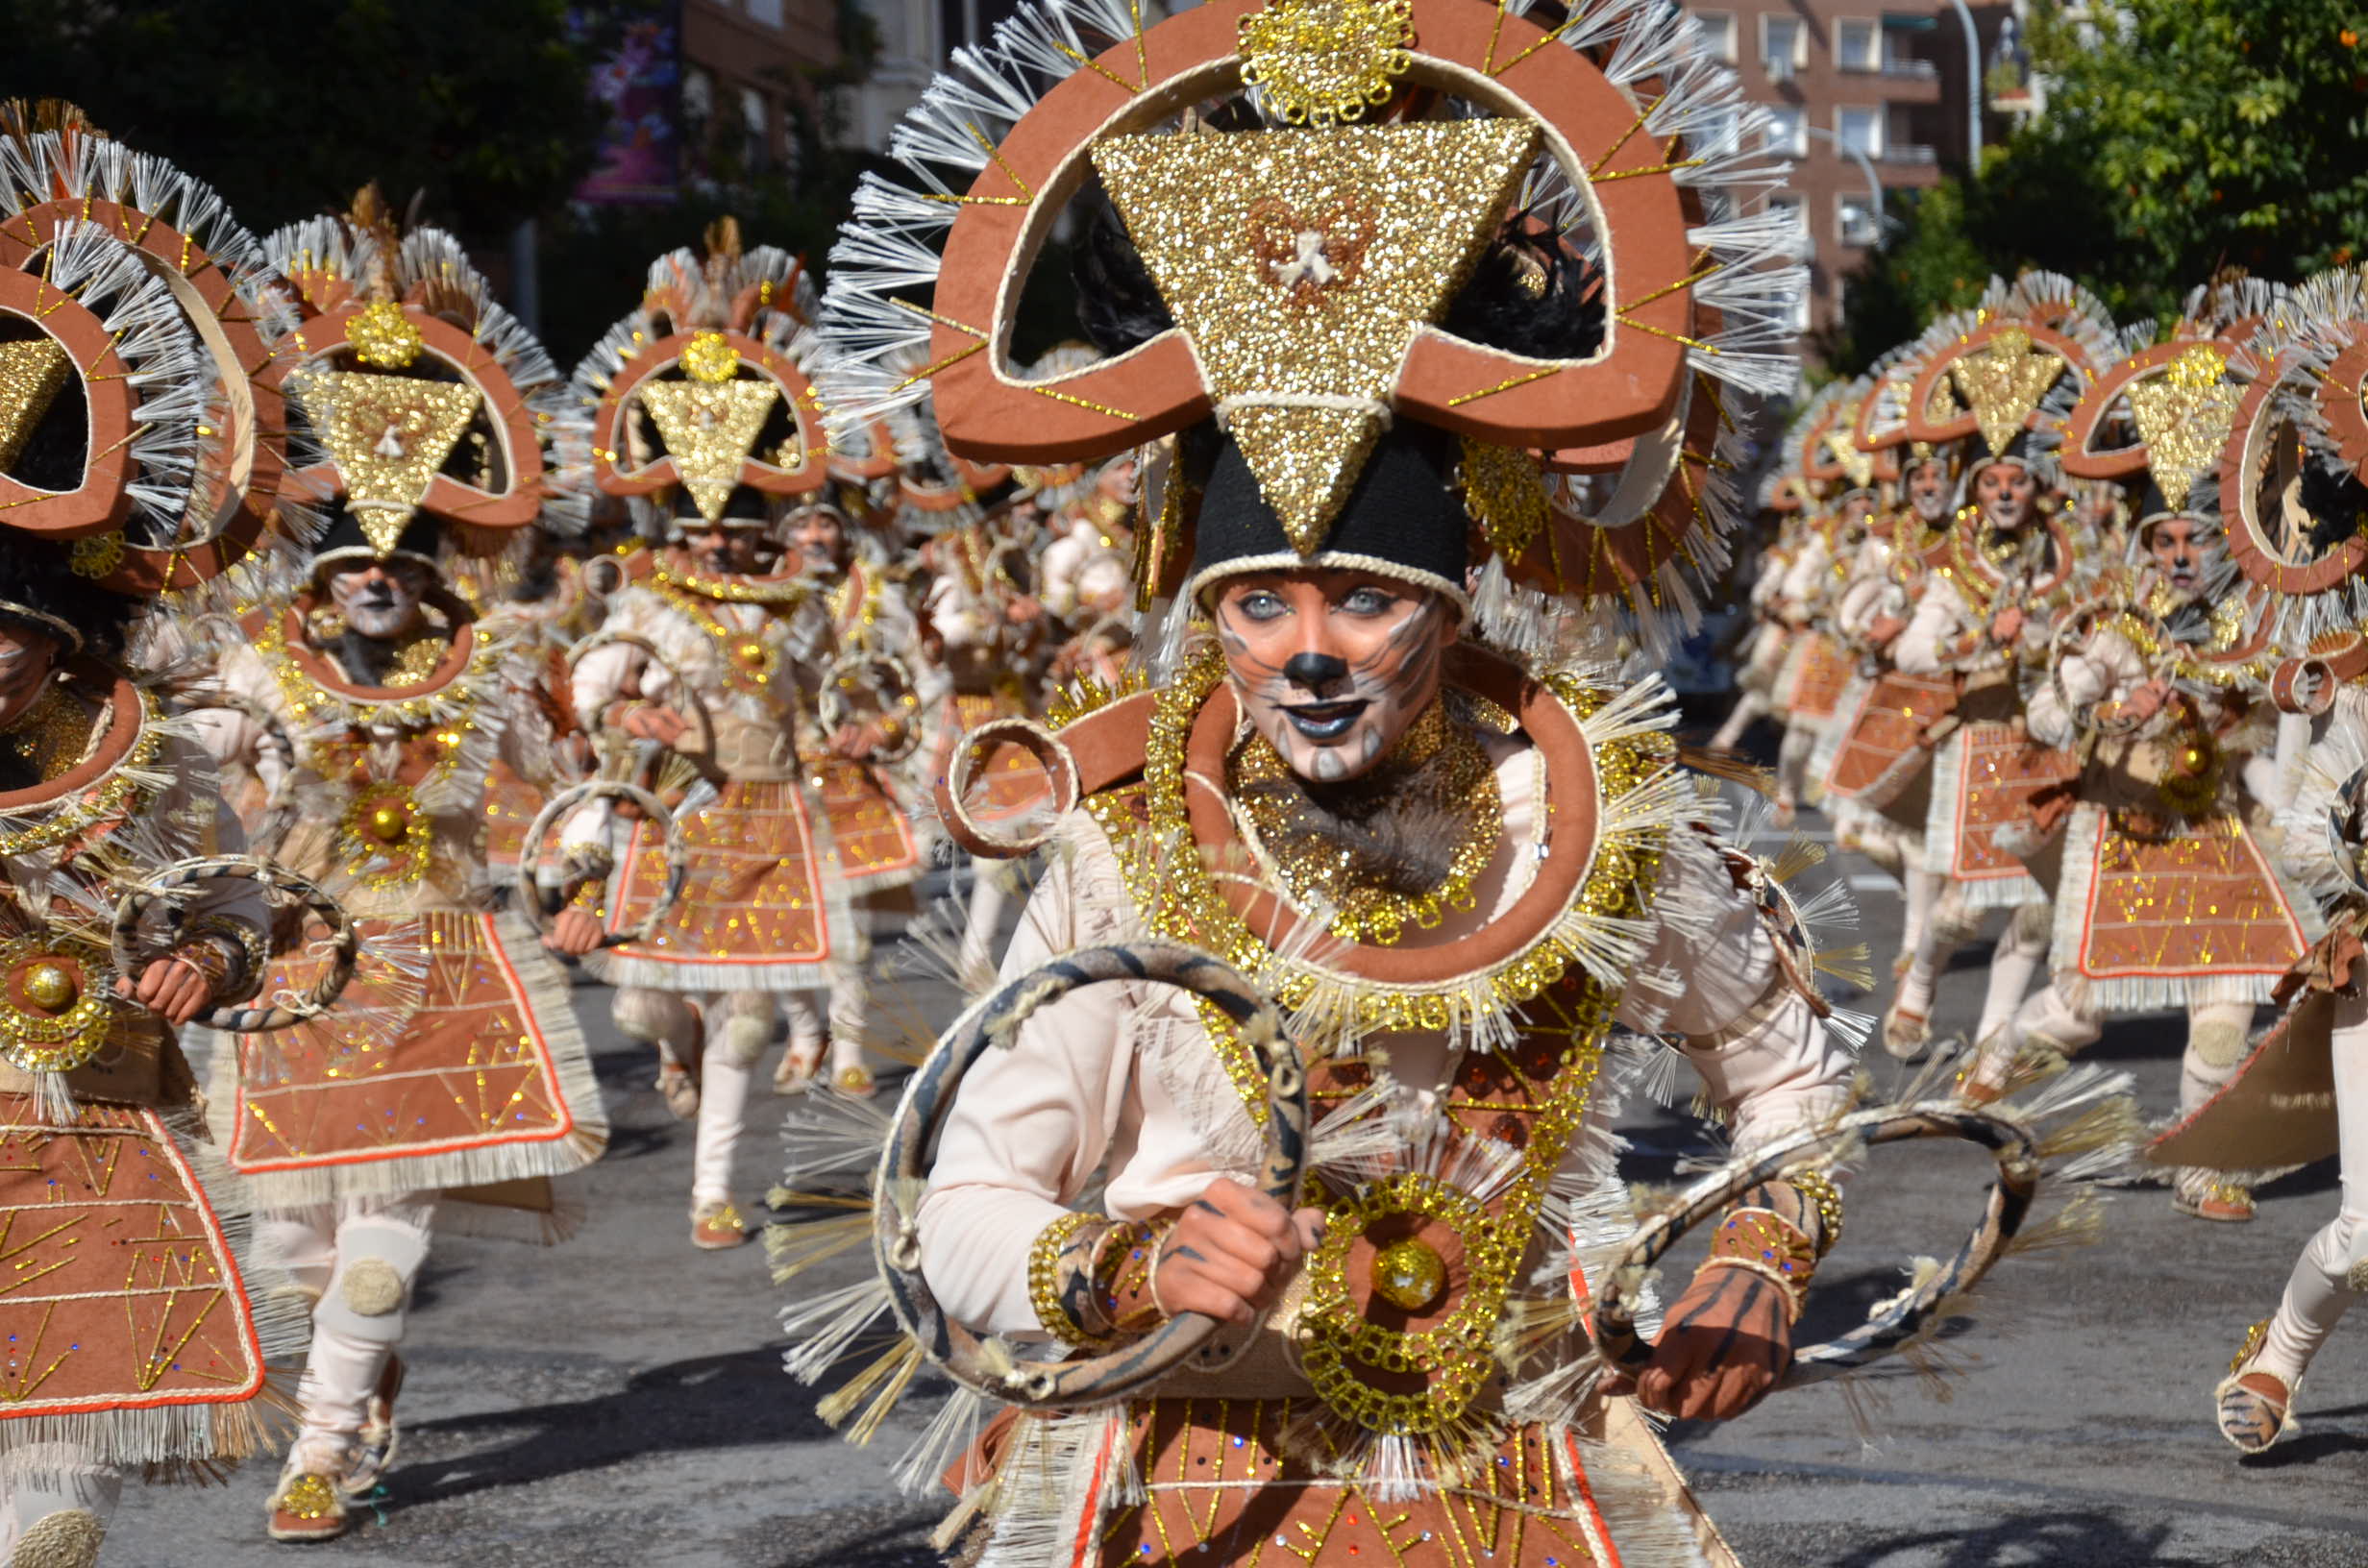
(1440, 436)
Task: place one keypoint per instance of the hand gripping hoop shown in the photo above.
(994, 1022)
(1893, 1321)
(530, 854)
(160, 893)
(834, 707)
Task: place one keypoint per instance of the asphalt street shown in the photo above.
(617, 1401)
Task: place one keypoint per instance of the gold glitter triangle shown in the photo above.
(33, 372)
(1301, 264)
(389, 436)
(2184, 415)
(1305, 460)
(1839, 441)
(709, 428)
(2003, 382)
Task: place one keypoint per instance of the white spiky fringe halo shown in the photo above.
(167, 310)
(333, 269)
(759, 303)
(2291, 367)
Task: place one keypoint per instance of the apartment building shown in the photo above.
(1868, 101)
(746, 69)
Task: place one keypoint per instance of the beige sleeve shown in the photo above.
(1710, 979)
(1033, 1122)
(1939, 620)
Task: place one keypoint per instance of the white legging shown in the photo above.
(358, 1258)
(2329, 1275)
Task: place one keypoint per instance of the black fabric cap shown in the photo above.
(1404, 511)
(421, 537)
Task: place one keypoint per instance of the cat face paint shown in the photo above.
(1332, 666)
(2177, 545)
(1928, 492)
(2007, 493)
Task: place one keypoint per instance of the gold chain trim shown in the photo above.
(118, 797)
(1461, 783)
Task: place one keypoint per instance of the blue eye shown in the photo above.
(1260, 606)
(1368, 601)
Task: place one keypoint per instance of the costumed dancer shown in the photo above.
(867, 697)
(1871, 764)
(2004, 375)
(1816, 668)
(369, 703)
(2293, 501)
(141, 434)
(2164, 892)
(703, 422)
(1447, 864)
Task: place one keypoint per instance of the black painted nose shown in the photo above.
(1314, 671)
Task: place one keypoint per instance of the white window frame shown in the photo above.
(1784, 69)
(1720, 41)
(1796, 145)
(1843, 205)
(1871, 62)
(1877, 116)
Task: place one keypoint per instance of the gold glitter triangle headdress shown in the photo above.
(2170, 408)
(2011, 368)
(704, 389)
(1307, 252)
(426, 395)
(169, 476)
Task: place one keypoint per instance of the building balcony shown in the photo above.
(1910, 68)
(1907, 154)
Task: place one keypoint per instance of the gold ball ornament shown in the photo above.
(388, 824)
(1409, 1274)
(51, 988)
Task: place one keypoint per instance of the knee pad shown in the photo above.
(653, 1018)
(2217, 1042)
(741, 1039)
(376, 1265)
(67, 1538)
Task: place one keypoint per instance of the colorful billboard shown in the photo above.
(639, 83)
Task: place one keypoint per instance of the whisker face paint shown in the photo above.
(1332, 666)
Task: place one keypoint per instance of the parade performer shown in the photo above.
(991, 639)
(369, 701)
(704, 423)
(1447, 865)
(2293, 511)
(1817, 670)
(2005, 376)
(868, 694)
(1872, 763)
(141, 437)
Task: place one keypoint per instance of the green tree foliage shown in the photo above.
(287, 108)
(2180, 136)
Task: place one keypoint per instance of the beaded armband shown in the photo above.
(1763, 1241)
(1818, 1190)
(239, 953)
(1089, 1276)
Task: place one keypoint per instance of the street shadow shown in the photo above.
(2315, 1443)
(2056, 1540)
(710, 1402)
